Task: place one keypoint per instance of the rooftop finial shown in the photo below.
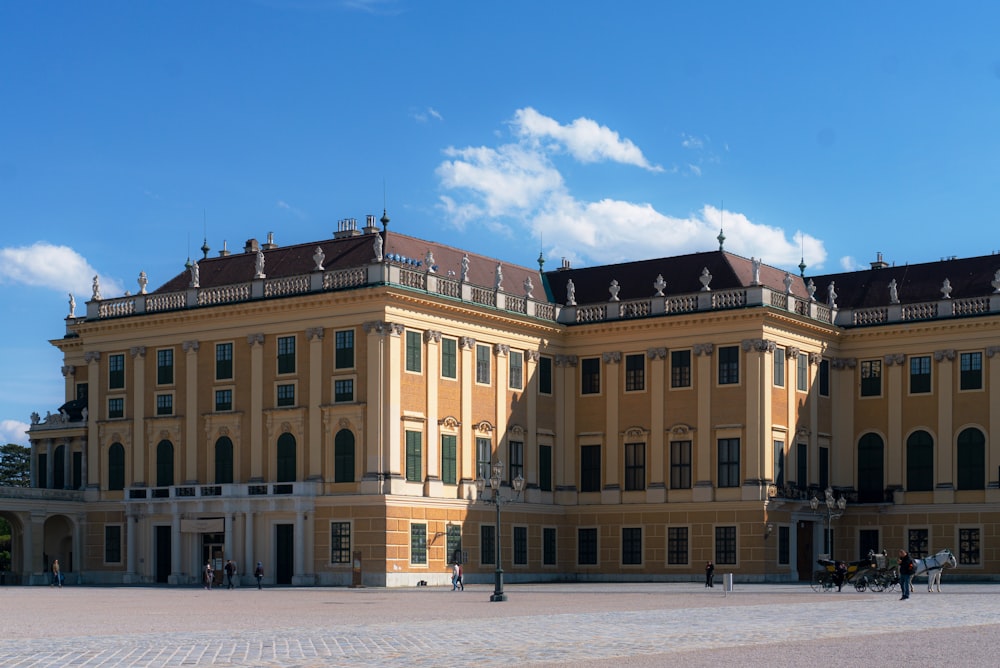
(802, 259)
(722, 217)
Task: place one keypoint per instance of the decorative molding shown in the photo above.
(792, 353)
(894, 358)
(680, 429)
(656, 353)
(948, 354)
(382, 328)
(992, 350)
(190, 346)
(69, 370)
(532, 356)
(843, 362)
(137, 351)
(703, 349)
(432, 336)
(449, 422)
(314, 333)
(815, 358)
(758, 345)
(612, 357)
(483, 427)
(91, 356)
(635, 432)
(344, 423)
(255, 339)
(566, 360)
(466, 342)
(501, 349)
(516, 430)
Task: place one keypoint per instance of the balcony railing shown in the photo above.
(229, 491)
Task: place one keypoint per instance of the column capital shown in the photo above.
(190, 346)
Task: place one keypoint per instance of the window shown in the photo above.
(515, 451)
(802, 465)
(590, 376)
(516, 360)
(449, 457)
(116, 466)
(223, 461)
(343, 390)
(971, 371)
(971, 459)
(453, 544)
(449, 358)
(729, 462)
(871, 378)
(779, 463)
(545, 375)
(919, 462)
(340, 542)
(414, 456)
(343, 456)
(725, 545)
(483, 365)
(343, 344)
(917, 542)
(484, 448)
(784, 545)
(635, 373)
(680, 368)
(116, 372)
(223, 361)
(871, 469)
(549, 546)
(286, 354)
(586, 547)
(286, 395)
(920, 374)
(164, 464)
(631, 546)
(677, 545)
(81, 391)
(968, 546)
(824, 467)
(223, 400)
(418, 544)
(521, 546)
(779, 367)
(414, 363)
(729, 365)
(802, 373)
(635, 466)
(824, 378)
(164, 404)
(116, 408)
(286, 458)
(590, 468)
(165, 367)
(487, 544)
(680, 465)
(545, 468)
(112, 543)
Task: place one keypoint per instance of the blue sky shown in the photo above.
(595, 131)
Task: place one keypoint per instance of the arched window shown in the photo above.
(971, 459)
(871, 475)
(59, 467)
(286, 458)
(919, 462)
(164, 464)
(343, 456)
(223, 461)
(116, 466)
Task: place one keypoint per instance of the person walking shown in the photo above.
(208, 574)
(840, 574)
(906, 569)
(455, 570)
(258, 573)
(709, 573)
(230, 569)
(56, 574)
(461, 576)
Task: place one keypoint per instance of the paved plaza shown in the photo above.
(634, 624)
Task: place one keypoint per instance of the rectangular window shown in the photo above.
(223, 361)
(631, 546)
(116, 372)
(779, 463)
(483, 365)
(164, 404)
(590, 376)
(286, 395)
(116, 408)
(340, 542)
(515, 452)
(165, 367)
(343, 343)
(824, 378)
(343, 390)
(286, 354)
(545, 468)
(484, 448)
(971, 371)
(824, 467)
(802, 373)
(635, 373)
(449, 358)
(729, 462)
(520, 546)
(590, 468)
(778, 366)
(516, 360)
(680, 368)
(784, 545)
(449, 458)
(586, 547)
(112, 543)
(487, 544)
(968, 547)
(418, 544)
(802, 465)
(920, 374)
(635, 466)
(725, 545)
(453, 544)
(549, 546)
(414, 456)
(729, 365)
(223, 400)
(677, 545)
(414, 360)
(917, 541)
(545, 375)
(680, 465)
(871, 378)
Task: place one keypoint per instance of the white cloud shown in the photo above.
(427, 114)
(12, 431)
(695, 169)
(689, 141)
(298, 213)
(54, 267)
(848, 263)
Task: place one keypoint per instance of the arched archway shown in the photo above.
(116, 466)
(343, 456)
(285, 458)
(871, 469)
(223, 461)
(13, 567)
(164, 464)
(919, 462)
(57, 543)
(971, 451)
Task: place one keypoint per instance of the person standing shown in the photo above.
(56, 574)
(840, 574)
(709, 573)
(258, 573)
(230, 572)
(906, 568)
(208, 574)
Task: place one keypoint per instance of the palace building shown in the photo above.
(326, 408)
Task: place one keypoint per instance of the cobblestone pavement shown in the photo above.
(591, 624)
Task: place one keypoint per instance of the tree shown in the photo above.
(15, 465)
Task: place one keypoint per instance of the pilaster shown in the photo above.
(256, 343)
(657, 490)
(190, 349)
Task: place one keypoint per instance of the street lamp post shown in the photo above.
(517, 484)
(832, 510)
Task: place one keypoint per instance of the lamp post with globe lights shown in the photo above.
(830, 510)
(517, 484)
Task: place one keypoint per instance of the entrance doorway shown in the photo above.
(213, 547)
(868, 541)
(804, 556)
(161, 547)
(284, 553)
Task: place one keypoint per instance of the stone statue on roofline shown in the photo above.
(946, 289)
(614, 289)
(996, 282)
(831, 295)
(318, 257)
(97, 287)
(72, 305)
(465, 268)
(570, 293)
(143, 282)
(260, 265)
(659, 285)
(755, 266)
(195, 276)
(528, 287)
(377, 247)
(893, 292)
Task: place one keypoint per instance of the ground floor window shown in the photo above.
(487, 544)
(677, 545)
(631, 546)
(418, 544)
(113, 544)
(586, 547)
(725, 545)
(784, 545)
(521, 546)
(968, 547)
(549, 546)
(340, 542)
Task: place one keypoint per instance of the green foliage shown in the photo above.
(15, 465)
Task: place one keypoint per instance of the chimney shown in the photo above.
(270, 242)
(565, 265)
(225, 250)
(346, 227)
(251, 246)
(879, 263)
(370, 227)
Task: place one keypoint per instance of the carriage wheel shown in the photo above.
(820, 581)
(877, 584)
(861, 584)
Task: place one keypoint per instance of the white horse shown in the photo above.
(932, 567)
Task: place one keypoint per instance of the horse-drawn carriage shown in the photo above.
(879, 573)
(828, 577)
